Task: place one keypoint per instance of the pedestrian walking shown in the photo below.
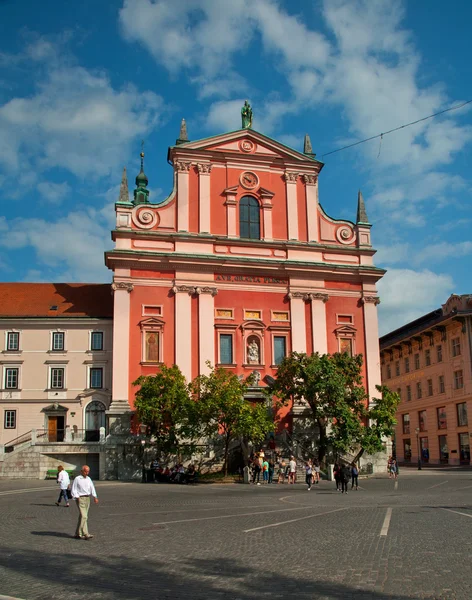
(281, 473)
(337, 476)
(345, 477)
(393, 469)
(271, 470)
(316, 471)
(256, 471)
(292, 476)
(308, 474)
(389, 467)
(265, 471)
(354, 476)
(64, 481)
(82, 489)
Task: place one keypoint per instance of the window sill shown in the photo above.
(253, 366)
(10, 352)
(102, 351)
(56, 390)
(151, 363)
(55, 352)
(10, 390)
(226, 365)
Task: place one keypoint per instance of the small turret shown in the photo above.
(183, 136)
(307, 147)
(124, 191)
(141, 193)
(361, 212)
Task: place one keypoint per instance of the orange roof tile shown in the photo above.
(71, 299)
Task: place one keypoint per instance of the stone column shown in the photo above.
(120, 381)
(266, 201)
(318, 322)
(183, 328)
(204, 170)
(311, 197)
(231, 207)
(292, 207)
(372, 352)
(297, 317)
(206, 330)
(182, 195)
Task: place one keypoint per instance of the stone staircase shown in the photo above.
(24, 463)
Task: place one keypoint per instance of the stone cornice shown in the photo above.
(192, 290)
(309, 179)
(290, 177)
(204, 168)
(182, 166)
(370, 300)
(307, 296)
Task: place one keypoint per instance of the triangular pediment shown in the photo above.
(247, 142)
(151, 322)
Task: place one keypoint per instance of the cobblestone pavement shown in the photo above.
(405, 539)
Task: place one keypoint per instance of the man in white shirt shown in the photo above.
(64, 481)
(292, 477)
(82, 489)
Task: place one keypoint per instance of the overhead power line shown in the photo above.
(381, 135)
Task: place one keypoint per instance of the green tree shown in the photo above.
(224, 411)
(163, 403)
(332, 387)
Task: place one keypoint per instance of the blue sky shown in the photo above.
(81, 83)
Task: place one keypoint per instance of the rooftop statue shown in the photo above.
(246, 115)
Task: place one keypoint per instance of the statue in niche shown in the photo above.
(256, 377)
(253, 353)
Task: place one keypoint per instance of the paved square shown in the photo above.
(405, 539)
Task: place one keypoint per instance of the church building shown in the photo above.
(238, 266)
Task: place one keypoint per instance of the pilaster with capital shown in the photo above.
(206, 321)
(372, 352)
(183, 328)
(311, 198)
(318, 321)
(204, 170)
(182, 168)
(292, 205)
(297, 317)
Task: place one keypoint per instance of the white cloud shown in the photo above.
(54, 193)
(407, 294)
(443, 251)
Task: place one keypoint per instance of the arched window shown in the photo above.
(249, 218)
(94, 419)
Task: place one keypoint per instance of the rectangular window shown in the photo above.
(10, 419)
(57, 379)
(406, 423)
(408, 392)
(57, 340)
(345, 347)
(13, 340)
(389, 371)
(442, 417)
(419, 391)
(96, 378)
(423, 425)
(407, 365)
(397, 368)
(226, 349)
(96, 340)
(427, 357)
(11, 378)
(464, 448)
(456, 347)
(430, 387)
(151, 346)
(439, 352)
(280, 349)
(407, 450)
(458, 380)
(443, 451)
(417, 361)
(462, 414)
(442, 387)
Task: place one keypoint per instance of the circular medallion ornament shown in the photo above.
(345, 235)
(247, 146)
(144, 217)
(249, 180)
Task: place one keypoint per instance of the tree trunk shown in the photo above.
(323, 442)
(227, 441)
(358, 455)
(245, 451)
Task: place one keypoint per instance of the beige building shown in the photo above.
(429, 363)
(56, 369)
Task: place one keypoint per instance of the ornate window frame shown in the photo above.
(152, 325)
(346, 332)
(253, 329)
(225, 329)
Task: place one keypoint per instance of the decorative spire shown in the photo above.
(141, 193)
(183, 136)
(246, 115)
(307, 147)
(124, 192)
(361, 212)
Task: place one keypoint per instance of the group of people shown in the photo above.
(80, 490)
(343, 474)
(175, 474)
(271, 469)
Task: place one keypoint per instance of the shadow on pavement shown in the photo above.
(128, 578)
(52, 534)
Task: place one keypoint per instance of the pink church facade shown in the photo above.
(238, 266)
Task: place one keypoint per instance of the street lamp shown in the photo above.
(418, 447)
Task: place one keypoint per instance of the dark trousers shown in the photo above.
(344, 485)
(309, 479)
(338, 483)
(63, 494)
(271, 475)
(257, 475)
(354, 481)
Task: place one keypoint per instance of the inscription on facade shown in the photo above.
(251, 279)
